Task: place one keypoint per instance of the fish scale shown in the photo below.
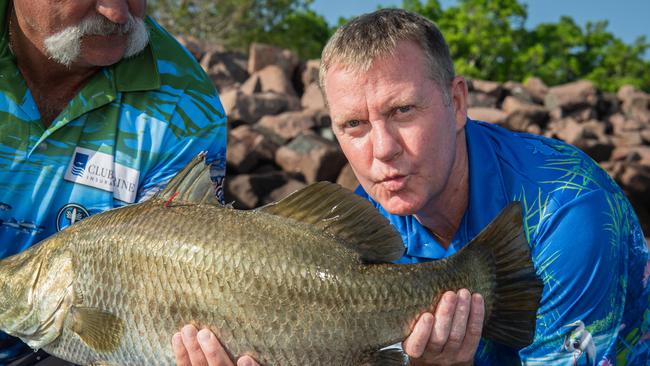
(290, 283)
(132, 267)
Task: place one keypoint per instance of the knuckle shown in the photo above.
(435, 346)
(194, 348)
(446, 310)
(455, 336)
(474, 330)
(453, 343)
(211, 353)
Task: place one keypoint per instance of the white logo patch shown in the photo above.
(97, 169)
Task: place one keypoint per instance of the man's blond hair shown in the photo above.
(370, 36)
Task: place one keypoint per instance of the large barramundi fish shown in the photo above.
(304, 281)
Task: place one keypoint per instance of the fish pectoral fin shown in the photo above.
(353, 220)
(387, 357)
(100, 330)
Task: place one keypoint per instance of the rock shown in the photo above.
(627, 139)
(635, 154)
(288, 124)
(315, 157)
(490, 88)
(597, 150)
(607, 105)
(321, 117)
(625, 92)
(269, 79)
(248, 146)
(312, 98)
(247, 190)
(637, 107)
(310, 72)
(521, 114)
(239, 191)
(240, 157)
(620, 124)
(478, 99)
(262, 55)
(192, 44)
(517, 90)
(536, 88)
(645, 135)
(590, 137)
(291, 186)
(250, 108)
(582, 114)
(491, 115)
(347, 179)
(636, 178)
(225, 69)
(534, 129)
(572, 96)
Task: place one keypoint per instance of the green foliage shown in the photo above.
(487, 38)
(304, 32)
(237, 23)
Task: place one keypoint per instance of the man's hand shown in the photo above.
(202, 348)
(452, 336)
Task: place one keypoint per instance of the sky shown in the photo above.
(627, 19)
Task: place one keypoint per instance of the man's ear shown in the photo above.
(459, 101)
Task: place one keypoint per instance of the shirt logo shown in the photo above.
(79, 164)
(69, 214)
(99, 170)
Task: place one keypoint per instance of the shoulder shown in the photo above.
(179, 71)
(541, 169)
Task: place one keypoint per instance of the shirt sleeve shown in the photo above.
(198, 124)
(580, 252)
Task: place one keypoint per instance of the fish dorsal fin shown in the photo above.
(100, 330)
(192, 184)
(344, 215)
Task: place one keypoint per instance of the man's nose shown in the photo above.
(386, 143)
(117, 11)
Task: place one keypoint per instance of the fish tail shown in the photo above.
(500, 259)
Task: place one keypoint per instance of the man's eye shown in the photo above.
(353, 123)
(404, 109)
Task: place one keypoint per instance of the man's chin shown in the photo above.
(397, 205)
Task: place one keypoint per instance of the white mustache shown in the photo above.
(64, 46)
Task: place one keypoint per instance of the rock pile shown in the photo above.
(280, 137)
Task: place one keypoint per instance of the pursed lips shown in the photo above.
(394, 182)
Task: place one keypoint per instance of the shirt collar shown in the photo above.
(486, 199)
(487, 193)
(139, 73)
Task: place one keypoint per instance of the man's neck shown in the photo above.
(442, 216)
(52, 84)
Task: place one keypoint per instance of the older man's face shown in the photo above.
(84, 32)
(397, 130)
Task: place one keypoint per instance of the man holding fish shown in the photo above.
(400, 115)
(99, 108)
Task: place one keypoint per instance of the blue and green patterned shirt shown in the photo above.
(587, 247)
(120, 139)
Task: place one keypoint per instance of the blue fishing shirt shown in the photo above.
(118, 141)
(586, 242)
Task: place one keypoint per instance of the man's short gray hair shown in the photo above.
(367, 37)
